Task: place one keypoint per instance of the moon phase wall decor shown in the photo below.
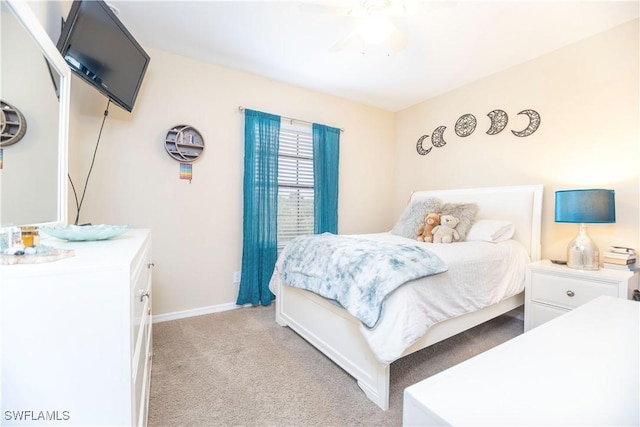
(419, 147)
(467, 123)
(437, 140)
(534, 123)
(499, 120)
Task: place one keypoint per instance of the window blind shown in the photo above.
(295, 182)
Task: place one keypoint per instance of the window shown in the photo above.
(295, 182)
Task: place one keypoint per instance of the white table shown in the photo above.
(578, 369)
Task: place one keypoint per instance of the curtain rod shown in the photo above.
(241, 109)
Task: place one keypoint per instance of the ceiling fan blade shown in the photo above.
(373, 26)
(351, 38)
(396, 9)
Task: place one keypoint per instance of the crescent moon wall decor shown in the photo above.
(534, 123)
(419, 147)
(465, 125)
(499, 121)
(437, 140)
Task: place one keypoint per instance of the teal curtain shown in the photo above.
(260, 219)
(326, 156)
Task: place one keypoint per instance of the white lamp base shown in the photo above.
(582, 252)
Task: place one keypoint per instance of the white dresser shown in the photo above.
(579, 369)
(552, 290)
(76, 335)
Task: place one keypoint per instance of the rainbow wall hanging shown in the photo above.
(186, 171)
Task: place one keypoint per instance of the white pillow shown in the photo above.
(491, 230)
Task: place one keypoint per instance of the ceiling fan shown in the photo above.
(374, 27)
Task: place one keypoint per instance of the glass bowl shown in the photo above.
(81, 233)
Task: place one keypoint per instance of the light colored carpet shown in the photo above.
(240, 368)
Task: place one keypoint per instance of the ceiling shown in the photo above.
(450, 43)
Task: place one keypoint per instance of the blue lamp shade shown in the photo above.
(585, 206)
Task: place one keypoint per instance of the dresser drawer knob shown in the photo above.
(571, 293)
(143, 295)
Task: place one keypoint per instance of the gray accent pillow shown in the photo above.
(413, 217)
(465, 212)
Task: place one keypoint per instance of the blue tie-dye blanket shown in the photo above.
(357, 273)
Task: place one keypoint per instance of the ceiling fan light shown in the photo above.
(376, 29)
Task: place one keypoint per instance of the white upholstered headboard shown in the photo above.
(521, 205)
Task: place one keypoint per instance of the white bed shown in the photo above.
(342, 338)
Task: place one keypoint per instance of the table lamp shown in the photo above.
(590, 206)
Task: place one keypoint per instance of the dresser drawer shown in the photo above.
(144, 379)
(141, 304)
(140, 295)
(567, 292)
(140, 363)
(541, 313)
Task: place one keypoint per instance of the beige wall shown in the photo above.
(586, 93)
(587, 96)
(197, 226)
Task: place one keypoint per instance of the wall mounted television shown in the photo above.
(100, 49)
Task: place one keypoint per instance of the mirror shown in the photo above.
(34, 79)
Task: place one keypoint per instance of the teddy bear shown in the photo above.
(446, 232)
(431, 220)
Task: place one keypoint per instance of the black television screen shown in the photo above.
(98, 48)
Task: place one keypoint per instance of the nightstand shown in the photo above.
(552, 290)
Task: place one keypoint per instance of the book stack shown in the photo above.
(619, 258)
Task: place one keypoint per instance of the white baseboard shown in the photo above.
(157, 318)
